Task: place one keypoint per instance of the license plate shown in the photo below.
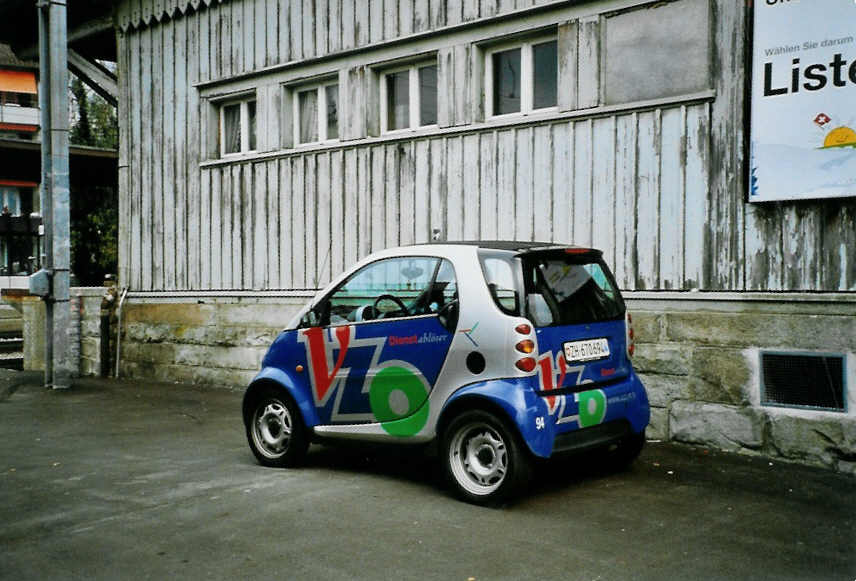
(588, 350)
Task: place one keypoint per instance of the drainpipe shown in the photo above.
(119, 329)
(108, 301)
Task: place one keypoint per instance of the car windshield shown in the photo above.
(569, 289)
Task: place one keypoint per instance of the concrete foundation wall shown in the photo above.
(213, 341)
(700, 360)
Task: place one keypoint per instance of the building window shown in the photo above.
(238, 126)
(408, 97)
(316, 113)
(522, 77)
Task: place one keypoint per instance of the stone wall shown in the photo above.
(699, 358)
(214, 341)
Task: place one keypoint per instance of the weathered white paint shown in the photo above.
(657, 185)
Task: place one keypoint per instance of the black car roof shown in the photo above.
(511, 245)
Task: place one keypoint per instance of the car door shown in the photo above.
(385, 335)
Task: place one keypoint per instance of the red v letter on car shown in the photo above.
(322, 378)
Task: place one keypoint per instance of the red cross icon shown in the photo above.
(822, 119)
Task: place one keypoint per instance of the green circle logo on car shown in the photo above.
(592, 408)
(398, 399)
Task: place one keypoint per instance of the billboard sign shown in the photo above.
(803, 134)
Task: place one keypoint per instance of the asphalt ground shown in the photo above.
(127, 480)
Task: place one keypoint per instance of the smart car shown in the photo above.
(498, 353)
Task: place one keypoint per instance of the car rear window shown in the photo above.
(569, 290)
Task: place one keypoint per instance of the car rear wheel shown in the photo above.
(626, 452)
(275, 429)
(484, 460)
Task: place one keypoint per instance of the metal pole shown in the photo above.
(54, 70)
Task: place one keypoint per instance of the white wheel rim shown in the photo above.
(271, 429)
(478, 458)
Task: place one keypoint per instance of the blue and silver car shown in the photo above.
(498, 352)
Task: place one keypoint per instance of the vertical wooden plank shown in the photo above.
(323, 205)
(199, 46)
(125, 179)
(488, 191)
(461, 96)
(157, 193)
(763, 243)
(365, 228)
(568, 47)
(183, 236)
(421, 15)
(603, 187)
(801, 239)
(188, 160)
(170, 198)
(672, 158)
(504, 6)
(321, 27)
(376, 20)
(454, 12)
(488, 8)
(337, 213)
(524, 203)
(583, 159)
(213, 32)
(724, 245)
(260, 229)
(648, 200)
(350, 23)
(392, 197)
(559, 168)
(470, 10)
(422, 194)
(257, 15)
(244, 215)
(283, 29)
(283, 248)
(139, 129)
(310, 192)
(334, 23)
(471, 210)
(625, 201)
(351, 183)
(271, 50)
(378, 199)
(204, 242)
(438, 14)
(355, 120)
(455, 185)
(696, 184)
(405, 17)
(298, 225)
(506, 184)
(446, 86)
(308, 29)
(406, 193)
(542, 182)
(251, 26)
(588, 89)
(439, 187)
(362, 23)
(214, 253)
(296, 29)
(227, 191)
(238, 47)
(390, 19)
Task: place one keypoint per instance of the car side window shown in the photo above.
(386, 289)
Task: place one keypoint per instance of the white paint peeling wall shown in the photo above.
(658, 185)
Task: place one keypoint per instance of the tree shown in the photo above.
(94, 209)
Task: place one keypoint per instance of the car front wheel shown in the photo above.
(484, 460)
(275, 429)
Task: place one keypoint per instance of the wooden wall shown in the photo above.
(660, 188)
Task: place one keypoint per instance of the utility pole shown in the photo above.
(53, 100)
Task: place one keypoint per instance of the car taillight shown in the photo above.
(523, 328)
(526, 364)
(630, 336)
(526, 346)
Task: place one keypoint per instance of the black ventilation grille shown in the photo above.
(804, 380)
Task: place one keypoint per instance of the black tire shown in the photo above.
(484, 459)
(627, 451)
(275, 429)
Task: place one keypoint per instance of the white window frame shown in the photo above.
(414, 95)
(527, 77)
(320, 88)
(243, 101)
